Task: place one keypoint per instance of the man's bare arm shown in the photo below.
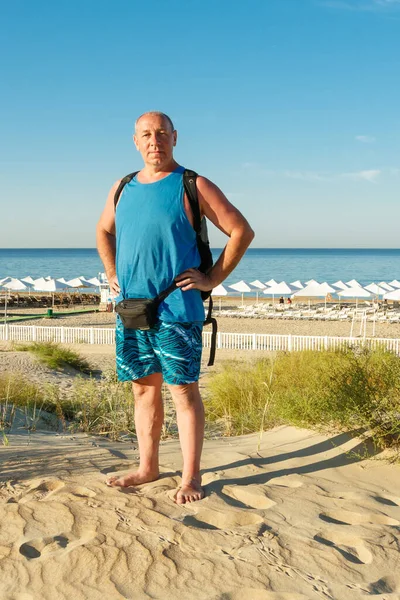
(217, 208)
(105, 239)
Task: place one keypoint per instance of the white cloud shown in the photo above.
(365, 139)
(370, 175)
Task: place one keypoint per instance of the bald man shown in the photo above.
(146, 244)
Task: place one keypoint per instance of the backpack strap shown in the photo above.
(122, 184)
(210, 320)
(189, 183)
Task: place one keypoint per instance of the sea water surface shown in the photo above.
(281, 264)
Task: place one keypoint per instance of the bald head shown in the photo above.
(156, 113)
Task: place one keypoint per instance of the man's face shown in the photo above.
(155, 140)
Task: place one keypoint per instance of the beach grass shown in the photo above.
(102, 407)
(350, 389)
(55, 356)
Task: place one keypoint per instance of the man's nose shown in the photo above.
(155, 138)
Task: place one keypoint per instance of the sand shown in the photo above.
(306, 517)
(236, 325)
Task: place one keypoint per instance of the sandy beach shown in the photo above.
(228, 324)
(306, 517)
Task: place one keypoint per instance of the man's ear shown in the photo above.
(135, 142)
(175, 137)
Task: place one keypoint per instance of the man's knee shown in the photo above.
(149, 386)
(185, 394)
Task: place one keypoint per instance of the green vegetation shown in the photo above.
(55, 356)
(351, 389)
(99, 407)
(355, 389)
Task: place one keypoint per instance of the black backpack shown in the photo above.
(203, 244)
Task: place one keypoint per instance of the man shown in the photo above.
(146, 244)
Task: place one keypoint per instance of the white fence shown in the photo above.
(230, 341)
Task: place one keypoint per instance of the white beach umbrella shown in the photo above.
(28, 279)
(375, 289)
(16, 285)
(257, 285)
(355, 292)
(340, 285)
(240, 286)
(37, 283)
(353, 283)
(297, 284)
(271, 282)
(329, 289)
(219, 291)
(281, 288)
(54, 285)
(77, 283)
(312, 282)
(95, 280)
(4, 280)
(395, 295)
(395, 283)
(386, 286)
(315, 290)
(89, 284)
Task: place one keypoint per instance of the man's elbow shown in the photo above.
(251, 234)
(247, 234)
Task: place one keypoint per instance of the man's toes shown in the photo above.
(112, 481)
(180, 498)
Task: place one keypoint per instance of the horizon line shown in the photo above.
(219, 248)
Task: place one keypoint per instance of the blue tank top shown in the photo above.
(156, 242)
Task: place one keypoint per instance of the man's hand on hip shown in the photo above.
(114, 286)
(193, 279)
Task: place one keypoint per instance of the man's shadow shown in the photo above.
(366, 448)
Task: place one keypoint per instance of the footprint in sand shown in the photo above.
(63, 542)
(386, 585)
(79, 491)
(257, 594)
(222, 519)
(345, 517)
(350, 546)
(387, 500)
(41, 491)
(250, 495)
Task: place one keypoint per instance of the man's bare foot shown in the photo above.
(131, 479)
(190, 492)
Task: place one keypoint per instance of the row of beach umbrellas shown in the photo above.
(47, 284)
(314, 289)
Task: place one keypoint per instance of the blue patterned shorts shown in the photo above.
(173, 349)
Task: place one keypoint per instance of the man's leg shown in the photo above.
(149, 418)
(190, 418)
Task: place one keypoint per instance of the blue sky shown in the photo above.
(290, 106)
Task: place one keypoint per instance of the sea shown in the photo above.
(366, 265)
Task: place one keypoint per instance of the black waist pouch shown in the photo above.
(141, 313)
(138, 313)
